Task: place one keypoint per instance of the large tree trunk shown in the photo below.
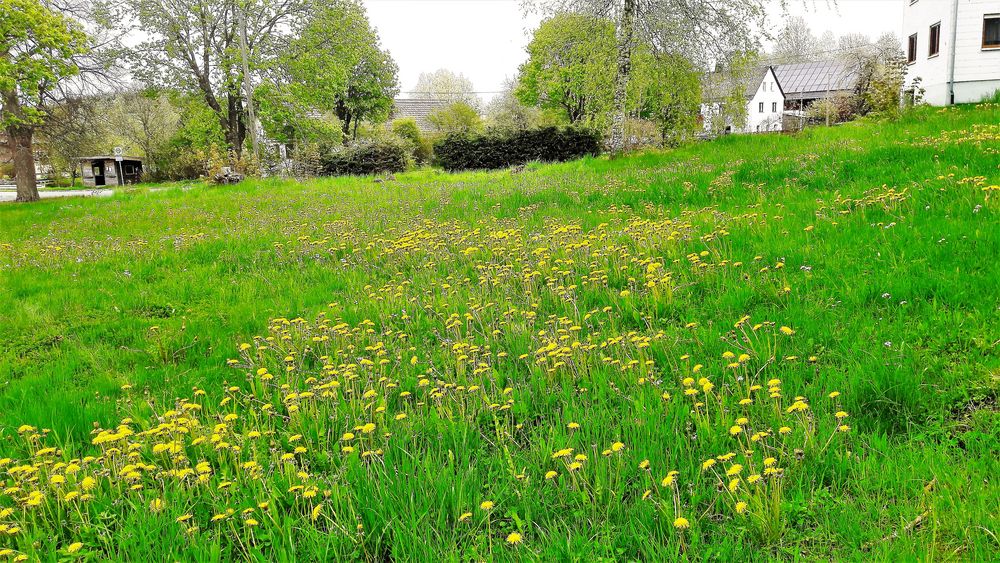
(24, 163)
(626, 33)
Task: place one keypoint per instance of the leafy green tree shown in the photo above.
(456, 118)
(566, 71)
(443, 84)
(334, 64)
(505, 112)
(568, 58)
(406, 128)
(195, 46)
(287, 120)
(37, 50)
(74, 127)
(693, 28)
(666, 90)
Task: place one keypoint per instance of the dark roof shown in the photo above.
(108, 157)
(816, 79)
(716, 84)
(418, 110)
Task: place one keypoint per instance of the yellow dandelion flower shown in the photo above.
(741, 507)
(707, 464)
(681, 523)
(514, 538)
(465, 516)
(486, 505)
(74, 547)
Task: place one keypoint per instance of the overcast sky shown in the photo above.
(485, 39)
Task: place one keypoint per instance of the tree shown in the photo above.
(73, 128)
(694, 28)
(456, 118)
(145, 120)
(335, 64)
(566, 70)
(666, 90)
(194, 46)
(37, 50)
(881, 72)
(506, 112)
(796, 43)
(443, 84)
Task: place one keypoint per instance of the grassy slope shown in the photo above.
(898, 299)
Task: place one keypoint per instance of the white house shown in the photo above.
(765, 102)
(953, 47)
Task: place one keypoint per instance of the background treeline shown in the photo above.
(304, 87)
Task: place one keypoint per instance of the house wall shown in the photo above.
(770, 95)
(977, 70)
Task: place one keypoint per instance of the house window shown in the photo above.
(774, 107)
(911, 51)
(761, 107)
(991, 31)
(934, 45)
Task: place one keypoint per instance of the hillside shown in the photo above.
(756, 347)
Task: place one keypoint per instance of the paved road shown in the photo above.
(6, 195)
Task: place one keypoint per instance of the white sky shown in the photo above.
(485, 39)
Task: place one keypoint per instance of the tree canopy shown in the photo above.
(443, 84)
(566, 72)
(194, 46)
(335, 64)
(37, 50)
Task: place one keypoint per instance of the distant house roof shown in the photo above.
(108, 157)
(807, 81)
(716, 85)
(417, 109)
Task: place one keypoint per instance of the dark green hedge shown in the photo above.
(500, 150)
(366, 158)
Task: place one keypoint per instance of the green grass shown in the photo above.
(875, 242)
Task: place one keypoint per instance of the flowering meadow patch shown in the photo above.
(644, 359)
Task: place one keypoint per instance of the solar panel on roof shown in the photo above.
(812, 77)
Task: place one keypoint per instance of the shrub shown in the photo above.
(457, 118)
(371, 157)
(407, 130)
(500, 150)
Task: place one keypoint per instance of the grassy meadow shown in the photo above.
(766, 347)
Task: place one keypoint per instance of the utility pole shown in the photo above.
(251, 114)
(829, 77)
